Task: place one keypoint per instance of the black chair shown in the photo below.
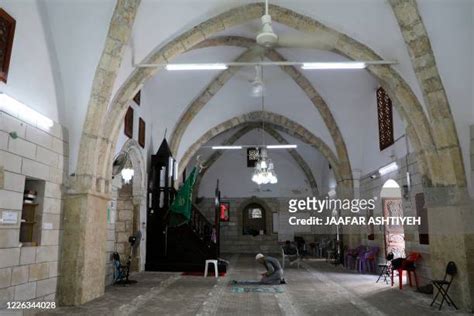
(385, 268)
(444, 285)
(121, 271)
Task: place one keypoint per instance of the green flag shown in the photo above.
(180, 209)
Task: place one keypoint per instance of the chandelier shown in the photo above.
(127, 174)
(264, 172)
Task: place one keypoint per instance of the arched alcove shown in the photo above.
(394, 235)
(128, 210)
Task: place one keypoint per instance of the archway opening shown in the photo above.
(394, 235)
(253, 220)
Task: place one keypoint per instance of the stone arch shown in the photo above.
(437, 170)
(138, 196)
(277, 122)
(217, 83)
(426, 71)
(302, 164)
(268, 213)
(138, 161)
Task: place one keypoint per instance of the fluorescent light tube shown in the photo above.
(388, 168)
(18, 109)
(196, 67)
(334, 65)
(226, 147)
(281, 146)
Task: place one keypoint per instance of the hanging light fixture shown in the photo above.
(122, 165)
(264, 172)
(127, 174)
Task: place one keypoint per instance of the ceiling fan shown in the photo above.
(267, 38)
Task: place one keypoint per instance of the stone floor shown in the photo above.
(317, 288)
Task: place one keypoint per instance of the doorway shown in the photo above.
(253, 220)
(394, 235)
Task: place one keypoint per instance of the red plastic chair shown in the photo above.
(408, 265)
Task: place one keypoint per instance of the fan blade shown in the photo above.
(302, 41)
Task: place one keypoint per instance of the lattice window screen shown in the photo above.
(385, 117)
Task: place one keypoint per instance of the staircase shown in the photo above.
(189, 245)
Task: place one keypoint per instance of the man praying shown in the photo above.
(274, 273)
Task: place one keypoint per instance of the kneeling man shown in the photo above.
(274, 274)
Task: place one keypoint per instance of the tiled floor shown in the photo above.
(317, 288)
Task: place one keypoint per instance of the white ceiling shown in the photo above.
(74, 33)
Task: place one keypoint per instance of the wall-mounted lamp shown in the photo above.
(23, 112)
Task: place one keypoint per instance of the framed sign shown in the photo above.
(7, 31)
(224, 208)
(252, 157)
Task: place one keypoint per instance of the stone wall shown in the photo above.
(472, 159)
(232, 239)
(370, 188)
(125, 211)
(28, 273)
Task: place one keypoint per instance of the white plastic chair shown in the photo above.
(215, 267)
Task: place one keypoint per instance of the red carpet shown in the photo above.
(197, 273)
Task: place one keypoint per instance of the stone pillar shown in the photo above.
(472, 160)
(82, 265)
(451, 228)
(350, 234)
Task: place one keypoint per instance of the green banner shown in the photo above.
(180, 209)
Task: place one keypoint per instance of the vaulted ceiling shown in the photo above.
(349, 94)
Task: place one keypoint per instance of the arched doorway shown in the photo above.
(253, 220)
(127, 211)
(394, 235)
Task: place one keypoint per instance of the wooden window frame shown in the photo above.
(385, 119)
(141, 132)
(128, 123)
(5, 63)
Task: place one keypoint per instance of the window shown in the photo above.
(128, 123)
(385, 118)
(254, 222)
(255, 213)
(141, 132)
(7, 31)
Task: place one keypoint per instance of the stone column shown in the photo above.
(472, 160)
(82, 265)
(345, 190)
(451, 228)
